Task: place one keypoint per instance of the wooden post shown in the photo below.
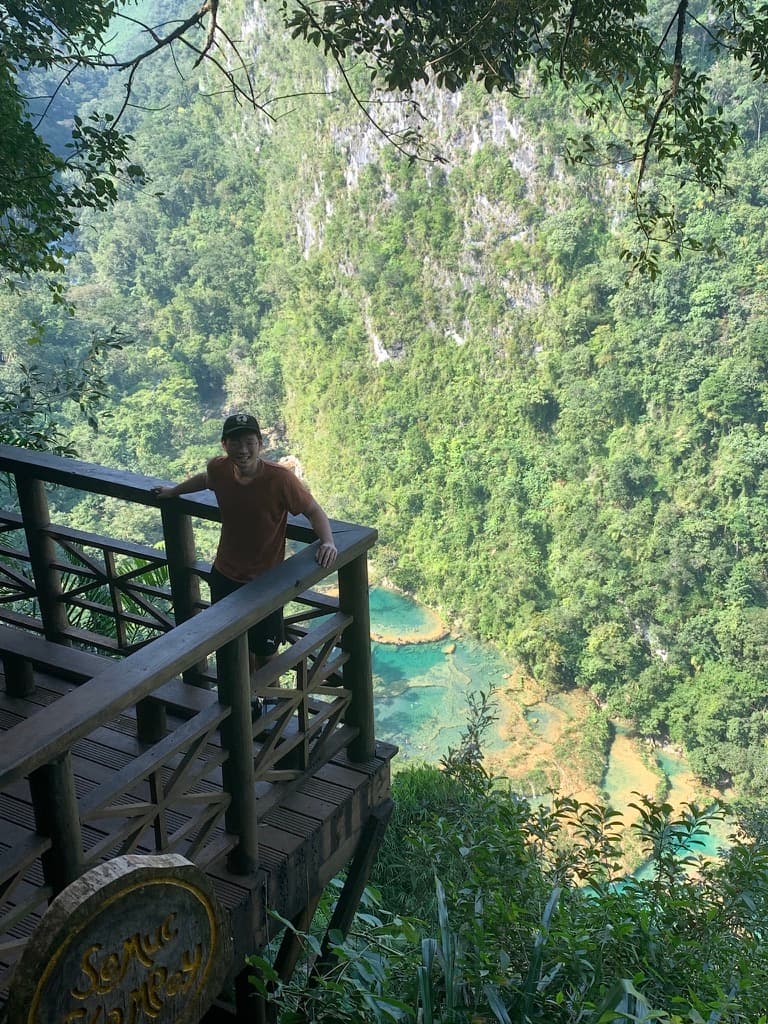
(250, 1008)
(19, 677)
(151, 720)
(291, 945)
(42, 554)
(355, 882)
(258, 1009)
(57, 817)
(236, 730)
(117, 601)
(185, 589)
(356, 641)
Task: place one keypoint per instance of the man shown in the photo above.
(255, 497)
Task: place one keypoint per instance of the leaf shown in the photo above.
(496, 1004)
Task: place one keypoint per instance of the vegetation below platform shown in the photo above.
(486, 908)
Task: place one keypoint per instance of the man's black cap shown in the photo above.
(238, 423)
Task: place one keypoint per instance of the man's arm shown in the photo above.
(198, 482)
(326, 553)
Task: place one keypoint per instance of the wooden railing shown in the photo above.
(194, 772)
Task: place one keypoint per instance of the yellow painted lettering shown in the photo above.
(81, 1016)
(174, 984)
(103, 974)
(90, 972)
(166, 927)
(110, 972)
(149, 945)
(138, 1005)
(155, 985)
(132, 948)
(190, 961)
(77, 1016)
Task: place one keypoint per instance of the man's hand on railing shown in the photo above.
(326, 554)
(198, 482)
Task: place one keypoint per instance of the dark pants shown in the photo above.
(266, 636)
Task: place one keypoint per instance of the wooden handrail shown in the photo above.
(54, 729)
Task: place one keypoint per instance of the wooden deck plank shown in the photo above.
(67, 662)
(341, 814)
(312, 806)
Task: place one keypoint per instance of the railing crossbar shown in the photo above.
(140, 767)
(20, 554)
(157, 621)
(64, 535)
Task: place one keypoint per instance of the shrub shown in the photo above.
(522, 913)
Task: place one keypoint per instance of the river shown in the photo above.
(422, 675)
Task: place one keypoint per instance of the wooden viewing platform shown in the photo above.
(126, 721)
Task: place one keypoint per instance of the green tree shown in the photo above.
(48, 176)
(490, 909)
(42, 191)
(653, 66)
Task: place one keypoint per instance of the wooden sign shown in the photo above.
(134, 941)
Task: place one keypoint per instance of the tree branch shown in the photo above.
(669, 94)
(163, 41)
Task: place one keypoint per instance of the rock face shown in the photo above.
(458, 131)
(292, 463)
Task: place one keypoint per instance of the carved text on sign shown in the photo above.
(103, 972)
(144, 975)
(140, 943)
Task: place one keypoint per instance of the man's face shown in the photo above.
(243, 448)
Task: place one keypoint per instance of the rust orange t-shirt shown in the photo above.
(254, 514)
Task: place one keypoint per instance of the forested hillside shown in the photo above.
(567, 459)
